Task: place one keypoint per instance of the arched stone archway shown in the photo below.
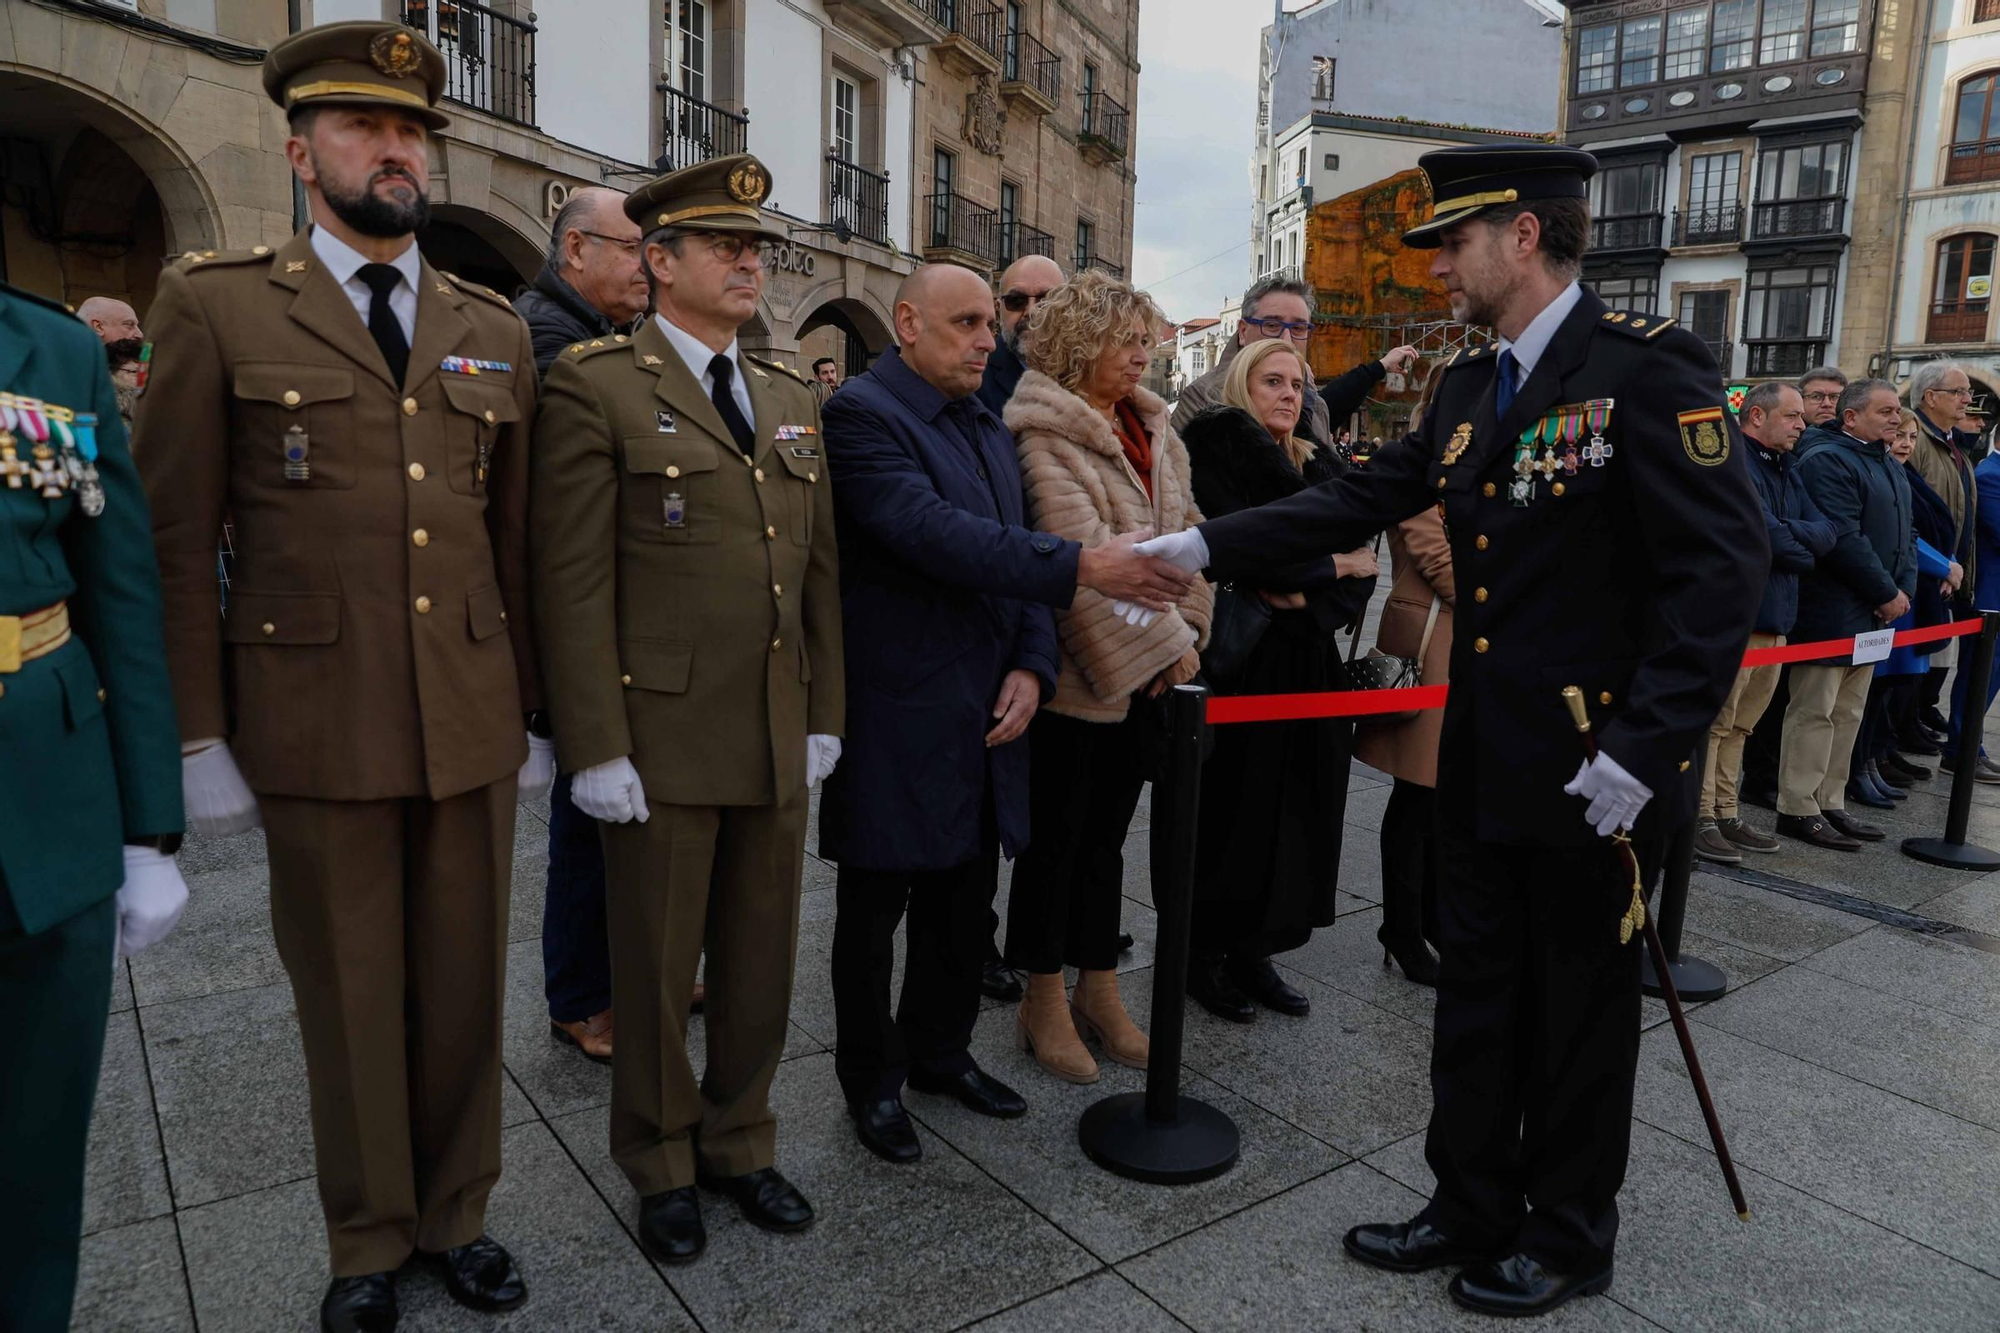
(850, 331)
(480, 248)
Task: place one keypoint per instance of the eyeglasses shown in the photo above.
(729, 246)
(1016, 302)
(1954, 393)
(1274, 328)
(1823, 396)
(630, 245)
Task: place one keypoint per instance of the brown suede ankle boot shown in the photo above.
(1043, 1028)
(1100, 1016)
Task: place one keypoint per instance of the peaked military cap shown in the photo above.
(724, 194)
(1467, 180)
(370, 64)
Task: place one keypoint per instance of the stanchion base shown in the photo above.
(1953, 855)
(1199, 1144)
(1694, 978)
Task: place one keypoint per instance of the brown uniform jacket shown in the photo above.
(369, 650)
(687, 600)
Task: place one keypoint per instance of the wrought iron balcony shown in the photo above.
(1018, 238)
(1100, 263)
(1971, 163)
(1637, 231)
(692, 131)
(1722, 225)
(1797, 219)
(1030, 75)
(1786, 358)
(489, 57)
(1105, 130)
(975, 37)
(960, 231)
(1957, 322)
(858, 199)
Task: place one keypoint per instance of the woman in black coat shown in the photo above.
(1273, 794)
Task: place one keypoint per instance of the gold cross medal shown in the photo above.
(1460, 439)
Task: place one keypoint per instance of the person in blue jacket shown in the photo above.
(1985, 595)
(950, 649)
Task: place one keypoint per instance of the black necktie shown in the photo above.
(720, 370)
(382, 321)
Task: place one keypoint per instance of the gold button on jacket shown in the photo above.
(724, 664)
(246, 347)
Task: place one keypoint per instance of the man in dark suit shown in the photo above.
(1022, 287)
(950, 649)
(1606, 535)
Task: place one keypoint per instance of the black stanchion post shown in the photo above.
(1159, 1135)
(1694, 978)
(1952, 849)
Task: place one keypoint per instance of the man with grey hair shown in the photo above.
(591, 285)
(1281, 307)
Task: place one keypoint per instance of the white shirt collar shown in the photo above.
(697, 353)
(343, 261)
(1534, 339)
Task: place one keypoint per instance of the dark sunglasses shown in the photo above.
(1016, 302)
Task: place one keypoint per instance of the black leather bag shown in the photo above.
(1235, 628)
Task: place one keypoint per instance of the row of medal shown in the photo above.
(71, 465)
(1564, 427)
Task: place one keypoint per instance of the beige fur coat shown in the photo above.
(1080, 485)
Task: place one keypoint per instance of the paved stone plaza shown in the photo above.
(1856, 1064)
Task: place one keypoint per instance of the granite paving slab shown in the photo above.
(1101, 1303)
(1739, 967)
(125, 1175)
(129, 1280)
(1975, 906)
(1347, 956)
(1765, 922)
(121, 987)
(223, 941)
(257, 1262)
(1939, 973)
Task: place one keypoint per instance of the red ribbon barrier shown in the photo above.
(1366, 703)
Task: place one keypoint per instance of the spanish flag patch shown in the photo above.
(1704, 435)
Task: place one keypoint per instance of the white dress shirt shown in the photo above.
(698, 354)
(1534, 339)
(343, 262)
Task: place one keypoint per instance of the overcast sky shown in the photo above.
(1196, 124)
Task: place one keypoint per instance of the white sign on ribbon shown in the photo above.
(1873, 646)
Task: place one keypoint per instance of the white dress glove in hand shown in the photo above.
(539, 769)
(1133, 615)
(150, 900)
(610, 792)
(219, 801)
(1615, 796)
(822, 753)
(1187, 549)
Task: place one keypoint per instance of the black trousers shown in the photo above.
(949, 913)
(1409, 864)
(1084, 780)
(1536, 1047)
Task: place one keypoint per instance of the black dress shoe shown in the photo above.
(1861, 791)
(1901, 771)
(766, 1198)
(1917, 741)
(365, 1304)
(1124, 942)
(997, 981)
(1518, 1285)
(1214, 991)
(1815, 830)
(975, 1090)
(1259, 979)
(481, 1275)
(1413, 956)
(884, 1129)
(1765, 798)
(1853, 827)
(670, 1226)
(1409, 1247)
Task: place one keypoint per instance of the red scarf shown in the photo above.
(1132, 438)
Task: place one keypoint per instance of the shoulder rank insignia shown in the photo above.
(1636, 326)
(1704, 436)
(212, 258)
(778, 366)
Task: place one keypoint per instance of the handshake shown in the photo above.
(1143, 575)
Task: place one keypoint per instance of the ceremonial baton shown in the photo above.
(1639, 916)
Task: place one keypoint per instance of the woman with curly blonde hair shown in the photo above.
(1098, 460)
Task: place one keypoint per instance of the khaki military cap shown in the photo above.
(372, 64)
(719, 195)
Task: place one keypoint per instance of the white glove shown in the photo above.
(610, 792)
(1133, 615)
(150, 900)
(822, 753)
(1187, 549)
(539, 770)
(1615, 796)
(219, 801)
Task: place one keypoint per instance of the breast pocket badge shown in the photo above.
(666, 422)
(674, 510)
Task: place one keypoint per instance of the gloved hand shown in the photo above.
(1615, 796)
(822, 753)
(610, 791)
(539, 770)
(150, 900)
(1187, 549)
(1133, 615)
(219, 802)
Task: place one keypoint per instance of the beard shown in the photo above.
(1017, 338)
(373, 215)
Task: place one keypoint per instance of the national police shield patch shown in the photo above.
(1705, 436)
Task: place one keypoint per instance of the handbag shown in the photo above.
(1383, 671)
(1235, 627)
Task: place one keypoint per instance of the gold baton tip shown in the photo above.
(1573, 697)
(1743, 1216)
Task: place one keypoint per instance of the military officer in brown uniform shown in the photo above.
(363, 420)
(687, 601)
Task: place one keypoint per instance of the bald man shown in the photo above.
(1022, 287)
(110, 319)
(950, 643)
